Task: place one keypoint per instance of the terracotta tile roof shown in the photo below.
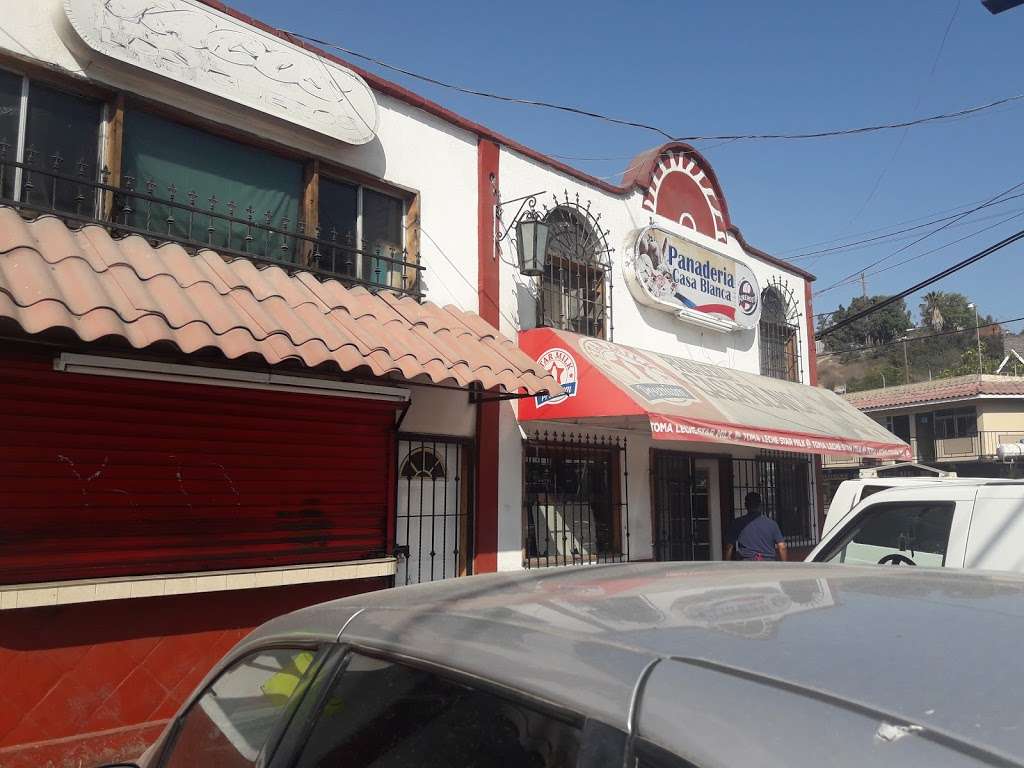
(956, 388)
(84, 280)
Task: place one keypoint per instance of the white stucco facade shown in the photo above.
(436, 158)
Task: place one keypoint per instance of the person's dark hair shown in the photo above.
(752, 501)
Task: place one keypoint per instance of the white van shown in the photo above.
(851, 492)
(953, 523)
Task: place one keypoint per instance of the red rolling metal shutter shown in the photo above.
(108, 476)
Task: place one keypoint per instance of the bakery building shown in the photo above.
(686, 357)
(275, 330)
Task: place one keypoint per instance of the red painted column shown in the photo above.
(812, 378)
(812, 353)
(486, 523)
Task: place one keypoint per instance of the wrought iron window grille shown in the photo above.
(779, 333)
(785, 483)
(575, 291)
(575, 500)
(232, 228)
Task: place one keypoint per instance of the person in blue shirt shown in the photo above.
(755, 536)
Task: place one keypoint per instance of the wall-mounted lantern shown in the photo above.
(531, 234)
(531, 243)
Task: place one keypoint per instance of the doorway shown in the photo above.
(924, 429)
(686, 506)
(432, 537)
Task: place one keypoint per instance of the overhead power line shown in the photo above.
(960, 113)
(925, 236)
(968, 236)
(936, 335)
(923, 284)
(895, 234)
(931, 217)
(1017, 213)
(917, 105)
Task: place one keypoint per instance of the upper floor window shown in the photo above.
(779, 333)
(49, 140)
(368, 226)
(956, 422)
(171, 161)
(898, 425)
(171, 181)
(573, 290)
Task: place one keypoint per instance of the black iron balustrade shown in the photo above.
(235, 229)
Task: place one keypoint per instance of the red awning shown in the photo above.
(686, 400)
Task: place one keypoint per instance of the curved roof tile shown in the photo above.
(95, 286)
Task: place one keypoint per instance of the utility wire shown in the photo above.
(867, 241)
(935, 335)
(917, 105)
(1015, 215)
(923, 284)
(960, 113)
(958, 217)
(946, 245)
(931, 215)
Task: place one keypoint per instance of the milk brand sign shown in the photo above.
(562, 366)
(674, 274)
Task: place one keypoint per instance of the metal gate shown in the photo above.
(783, 481)
(682, 521)
(432, 525)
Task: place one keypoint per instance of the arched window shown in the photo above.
(779, 332)
(573, 295)
(423, 463)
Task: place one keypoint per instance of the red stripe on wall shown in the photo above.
(812, 351)
(486, 521)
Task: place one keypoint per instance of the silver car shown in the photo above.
(656, 665)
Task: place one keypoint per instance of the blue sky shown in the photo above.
(740, 67)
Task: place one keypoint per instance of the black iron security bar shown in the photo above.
(229, 227)
(575, 500)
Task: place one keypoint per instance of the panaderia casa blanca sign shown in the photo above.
(673, 274)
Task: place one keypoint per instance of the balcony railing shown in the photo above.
(980, 446)
(232, 228)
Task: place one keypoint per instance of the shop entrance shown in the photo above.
(432, 518)
(686, 506)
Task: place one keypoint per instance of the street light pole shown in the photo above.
(977, 328)
(906, 360)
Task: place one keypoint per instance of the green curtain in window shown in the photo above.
(180, 160)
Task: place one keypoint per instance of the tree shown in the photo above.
(942, 311)
(885, 325)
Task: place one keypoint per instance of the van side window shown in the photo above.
(896, 533)
(389, 715)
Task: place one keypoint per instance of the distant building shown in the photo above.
(955, 424)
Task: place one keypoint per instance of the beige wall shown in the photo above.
(1001, 416)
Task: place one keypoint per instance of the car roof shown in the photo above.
(910, 485)
(931, 647)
